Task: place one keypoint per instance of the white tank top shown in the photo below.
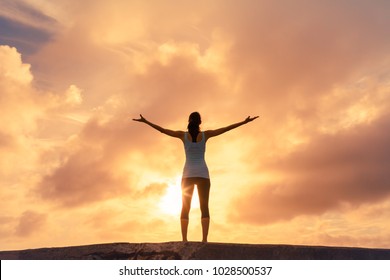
(195, 165)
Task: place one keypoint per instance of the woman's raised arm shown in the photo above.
(219, 131)
(172, 133)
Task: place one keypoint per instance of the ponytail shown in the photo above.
(193, 125)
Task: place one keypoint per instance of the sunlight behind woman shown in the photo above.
(170, 202)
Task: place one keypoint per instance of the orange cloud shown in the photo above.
(349, 168)
(29, 223)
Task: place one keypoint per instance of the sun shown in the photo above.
(170, 202)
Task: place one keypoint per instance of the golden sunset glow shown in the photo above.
(313, 169)
(170, 201)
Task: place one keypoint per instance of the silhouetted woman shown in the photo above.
(195, 170)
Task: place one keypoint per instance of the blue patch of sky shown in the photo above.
(26, 39)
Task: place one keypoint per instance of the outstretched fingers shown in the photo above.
(249, 118)
(141, 119)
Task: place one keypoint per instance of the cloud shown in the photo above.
(180, 85)
(348, 168)
(19, 106)
(89, 170)
(12, 67)
(82, 179)
(29, 223)
(73, 95)
(287, 56)
(156, 189)
(25, 27)
(102, 162)
(26, 111)
(26, 14)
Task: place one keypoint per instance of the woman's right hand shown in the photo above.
(141, 119)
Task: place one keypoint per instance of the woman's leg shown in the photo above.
(184, 229)
(187, 189)
(205, 228)
(203, 186)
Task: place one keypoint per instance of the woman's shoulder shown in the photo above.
(207, 134)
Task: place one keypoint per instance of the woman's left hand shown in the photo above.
(249, 119)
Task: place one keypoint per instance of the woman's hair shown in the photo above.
(194, 122)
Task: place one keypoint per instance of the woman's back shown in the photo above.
(195, 165)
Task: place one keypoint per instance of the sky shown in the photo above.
(313, 169)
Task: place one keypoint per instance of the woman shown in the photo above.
(195, 170)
